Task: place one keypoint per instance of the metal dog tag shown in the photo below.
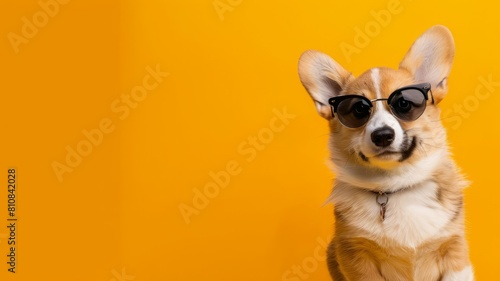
(382, 200)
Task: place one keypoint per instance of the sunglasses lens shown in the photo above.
(354, 112)
(408, 104)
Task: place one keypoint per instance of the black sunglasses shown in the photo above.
(406, 104)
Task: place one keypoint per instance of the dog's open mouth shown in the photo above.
(406, 152)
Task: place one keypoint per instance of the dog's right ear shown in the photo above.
(323, 79)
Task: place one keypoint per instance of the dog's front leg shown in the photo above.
(356, 263)
(360, 259)
(456, 263)
(465, 274)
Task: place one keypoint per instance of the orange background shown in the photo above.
(118, 210)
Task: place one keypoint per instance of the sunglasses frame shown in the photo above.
(423, 88)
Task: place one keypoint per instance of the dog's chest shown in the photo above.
(411, 216)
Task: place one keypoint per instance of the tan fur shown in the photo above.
(368, 252)
(362, 259)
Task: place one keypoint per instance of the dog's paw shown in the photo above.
(466, 274)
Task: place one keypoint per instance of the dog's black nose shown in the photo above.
(383, 136)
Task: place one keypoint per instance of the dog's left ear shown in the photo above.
(430, 58)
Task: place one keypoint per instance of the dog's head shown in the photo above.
(390, 122)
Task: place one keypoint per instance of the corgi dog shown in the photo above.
(397, 195)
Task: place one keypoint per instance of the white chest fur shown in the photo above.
(412, 216)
